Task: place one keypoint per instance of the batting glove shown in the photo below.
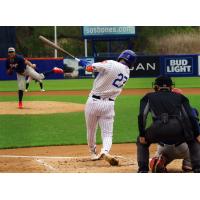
(83, 63)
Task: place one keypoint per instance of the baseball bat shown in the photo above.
(55, 46)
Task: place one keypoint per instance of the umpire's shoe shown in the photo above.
(196, 170)
(57, 70)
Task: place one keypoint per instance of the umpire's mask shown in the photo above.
(164, 82)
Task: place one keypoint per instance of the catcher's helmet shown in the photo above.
(129, 56)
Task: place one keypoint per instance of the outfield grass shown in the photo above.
(68, 128)
(86, 84)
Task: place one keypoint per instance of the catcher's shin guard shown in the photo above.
(157, 164)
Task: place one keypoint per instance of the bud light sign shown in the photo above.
(179, 66)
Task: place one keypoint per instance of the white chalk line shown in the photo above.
(44, 157)
(46, 165)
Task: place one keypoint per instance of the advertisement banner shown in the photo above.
(93, 32)
(198, 65)
(180, 65)
(146, 66)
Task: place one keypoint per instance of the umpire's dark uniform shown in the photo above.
(173, 123)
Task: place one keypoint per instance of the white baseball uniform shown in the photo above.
(99, 108)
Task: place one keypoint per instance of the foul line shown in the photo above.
(47, 166)
(44, 157)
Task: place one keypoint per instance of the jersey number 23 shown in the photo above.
(120, 80)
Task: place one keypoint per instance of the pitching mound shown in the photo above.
(39, 107)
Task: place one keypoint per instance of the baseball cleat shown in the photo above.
(157, 165)
(93, 153)
(57, 70)
(25, 90)
(109, 158)
(42, 90)
(112, 160)
(20, 106)
(187, 168)
(94, 157)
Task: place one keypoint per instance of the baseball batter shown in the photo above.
(99, 110)
(24, 68)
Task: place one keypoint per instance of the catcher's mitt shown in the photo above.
(67, 69)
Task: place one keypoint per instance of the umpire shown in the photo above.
(172, 123)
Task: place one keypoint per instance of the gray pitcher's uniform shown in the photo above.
(22, 70)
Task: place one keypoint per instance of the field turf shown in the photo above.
(69, 128)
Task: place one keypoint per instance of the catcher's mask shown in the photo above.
(162, 82)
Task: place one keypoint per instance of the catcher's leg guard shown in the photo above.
(157, 164)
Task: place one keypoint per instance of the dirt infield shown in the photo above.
(39, 107)
(67, 159)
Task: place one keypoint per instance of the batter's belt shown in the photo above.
(98, 97)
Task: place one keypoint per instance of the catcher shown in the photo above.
(173, 123)
(24, 68)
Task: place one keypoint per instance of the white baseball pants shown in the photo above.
(99, 112)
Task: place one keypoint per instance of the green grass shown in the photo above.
(59, 129)
(86, 84)
(68, 128)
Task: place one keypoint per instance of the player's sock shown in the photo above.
(27, 85)
(41, 85)
(107, 143)
(20, 95)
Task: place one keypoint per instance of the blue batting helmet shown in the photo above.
(129, 56)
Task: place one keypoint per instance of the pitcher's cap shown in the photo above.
(11, 49)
